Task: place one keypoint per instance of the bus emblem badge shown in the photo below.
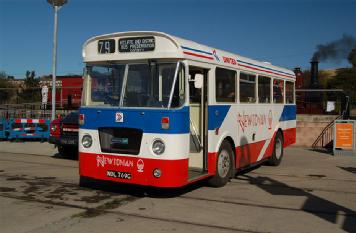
(140, 165)
(119, 117)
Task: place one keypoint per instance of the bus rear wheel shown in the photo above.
(277, 155)
(224, 166)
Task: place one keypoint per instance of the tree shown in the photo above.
(31, 92)
(345, 79)
(5, 88)
(352, 58)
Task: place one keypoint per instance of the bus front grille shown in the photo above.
(120, 140)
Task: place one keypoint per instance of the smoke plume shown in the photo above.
(336, 50)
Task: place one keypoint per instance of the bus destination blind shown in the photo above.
(137, 44)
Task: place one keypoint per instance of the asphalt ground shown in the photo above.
(308, 192)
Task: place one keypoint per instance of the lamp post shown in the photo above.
(56, 4)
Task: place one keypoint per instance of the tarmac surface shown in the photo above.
(308, 192)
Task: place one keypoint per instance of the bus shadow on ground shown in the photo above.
(66, 157)
(349, 169)
(315, 205)
(142, 191)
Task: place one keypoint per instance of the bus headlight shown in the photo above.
(87, 141)
(158, 146)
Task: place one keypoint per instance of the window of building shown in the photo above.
(225, 85)
(264, 89)
(247, 88)
(289, 92)
(278, 91)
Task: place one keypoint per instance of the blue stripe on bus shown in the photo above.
(196, 50)
(149, 120)
(289, 113)
(216, 115)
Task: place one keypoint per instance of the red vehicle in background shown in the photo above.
(68, 91)
(64, 134)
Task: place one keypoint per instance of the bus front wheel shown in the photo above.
(277, 155)
(224, 166)
(85, 182)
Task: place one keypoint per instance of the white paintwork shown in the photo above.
(167, 47)
(170, 48)
(176, 145)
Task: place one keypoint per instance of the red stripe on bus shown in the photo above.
(289, 136)
(96, 166)
(247, 154)
(198, 55)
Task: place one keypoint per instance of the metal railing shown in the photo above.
(326, 138)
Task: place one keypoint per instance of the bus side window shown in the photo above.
(247, 88)
(225, 85)
(289, 92)
(264, 89)
(278, 91)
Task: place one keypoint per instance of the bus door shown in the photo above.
(198, 121)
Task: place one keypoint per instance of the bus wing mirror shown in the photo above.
(198, 81)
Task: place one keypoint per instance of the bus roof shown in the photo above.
(166, 46)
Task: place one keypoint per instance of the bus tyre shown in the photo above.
(224, 166)
(68, 152)
(84, 182)
(277, 154)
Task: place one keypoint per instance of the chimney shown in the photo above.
(314, 83)
(299, 83)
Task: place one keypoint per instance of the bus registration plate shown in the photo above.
(119, 175)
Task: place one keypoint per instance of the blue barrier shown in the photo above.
(3, 127)
(28, 129)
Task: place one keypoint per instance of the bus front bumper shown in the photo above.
(134, 170)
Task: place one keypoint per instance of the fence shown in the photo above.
(323, 101)
(24, 128)
(3, 127)
(28, 129)
(68, 97)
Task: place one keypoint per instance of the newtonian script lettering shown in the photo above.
(254, 120)
(102, 161)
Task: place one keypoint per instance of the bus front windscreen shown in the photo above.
(135, 85)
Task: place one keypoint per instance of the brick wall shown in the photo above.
(309, 127)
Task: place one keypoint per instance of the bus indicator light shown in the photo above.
(81, 119)
(165, 122)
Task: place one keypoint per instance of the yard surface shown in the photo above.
(308, 192)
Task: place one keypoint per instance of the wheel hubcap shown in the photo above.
(223, 163)
(279, 147)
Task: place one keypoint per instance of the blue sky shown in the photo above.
(283, 32)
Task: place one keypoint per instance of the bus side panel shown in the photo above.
(134, 170)
(290, 136)
(256, 127)
(248, 153)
